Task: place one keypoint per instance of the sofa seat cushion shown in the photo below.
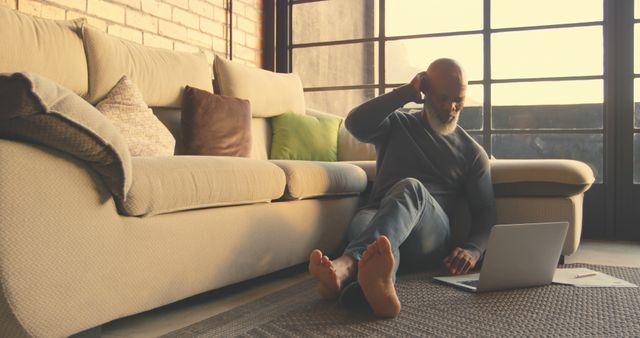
(369, 168)
(306, 179)
(540, 177)
(173, 183)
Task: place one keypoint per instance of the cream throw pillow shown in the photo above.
(144, 133)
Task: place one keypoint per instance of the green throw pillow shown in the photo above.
(302, 137)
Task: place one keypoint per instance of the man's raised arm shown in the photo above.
(368, 121)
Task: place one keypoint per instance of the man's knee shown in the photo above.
(413, 186)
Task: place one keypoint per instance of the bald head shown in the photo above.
(445, 91)
(446, 71)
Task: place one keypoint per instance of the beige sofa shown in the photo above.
(70, 257)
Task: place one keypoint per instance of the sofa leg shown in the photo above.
(561, 261)
(95, 332)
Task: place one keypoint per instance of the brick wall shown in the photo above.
(181, 25)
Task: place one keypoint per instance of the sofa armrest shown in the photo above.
(540, 177)
(349, 148)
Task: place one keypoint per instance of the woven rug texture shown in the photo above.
(431, 309)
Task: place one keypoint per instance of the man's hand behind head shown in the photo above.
(420, 82)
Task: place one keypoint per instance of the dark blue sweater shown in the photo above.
(449, 166)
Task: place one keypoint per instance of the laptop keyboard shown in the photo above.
(473, 283)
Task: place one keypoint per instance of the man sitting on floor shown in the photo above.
(425, 164)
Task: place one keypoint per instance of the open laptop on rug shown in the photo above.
(517, 256)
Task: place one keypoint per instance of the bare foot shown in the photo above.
(331, 275)
(374, 276)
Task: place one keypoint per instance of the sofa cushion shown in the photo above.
(270, 93)
(548, 177)
(215, 125)
(144, 133)
(307, 179)
(35, 109)
(160, 74)
(300, 137)
(168, 184)
(50, 48)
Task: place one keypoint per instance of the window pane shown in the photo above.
(471, 117)
(548, 105)
(636, 46)
(636, 99)
(636, 9)
(479, 138)
(510, 13)
(586, 148)
(547, 52)
(636, 158)
(405, 58)
(409, 17)
(338, 102)
(320, 21)
(340, 65)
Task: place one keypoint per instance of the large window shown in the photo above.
(537, 72)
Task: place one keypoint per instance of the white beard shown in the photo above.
(437, 125)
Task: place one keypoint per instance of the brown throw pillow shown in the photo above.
(215, 125)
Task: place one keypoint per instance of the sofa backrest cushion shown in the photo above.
(36, 109)
(270, 93)
(50, 48)
(160, 74)
(261, 135)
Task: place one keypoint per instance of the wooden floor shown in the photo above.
(174, 316)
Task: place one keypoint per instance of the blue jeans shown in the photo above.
(414, 222)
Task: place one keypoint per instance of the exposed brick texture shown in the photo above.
(181, 25)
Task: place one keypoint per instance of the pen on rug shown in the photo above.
(589, 274)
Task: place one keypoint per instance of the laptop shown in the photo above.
(517, 256)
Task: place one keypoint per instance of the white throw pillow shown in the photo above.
(144, 133)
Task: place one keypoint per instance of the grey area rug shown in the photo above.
(433, 309)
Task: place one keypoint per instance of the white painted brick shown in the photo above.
(157, 8)
(220, 14)
(9, 3)
(75, 4)
(53, 12)
(220, 46)
(95, 22)
(106, 10)
(186, 18)
(238, 8)
(202, 8)
(142, 21)
(125, 33)
(244, 52)
(30, 7)
(131, 3)
(212, 28)
(172, 30)
(239, 37)
(219, 3)
(152, 40)
(247, 25)
(252, 42)
(183, 47)
(252, 14)
(180, 3)
(200, 39)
